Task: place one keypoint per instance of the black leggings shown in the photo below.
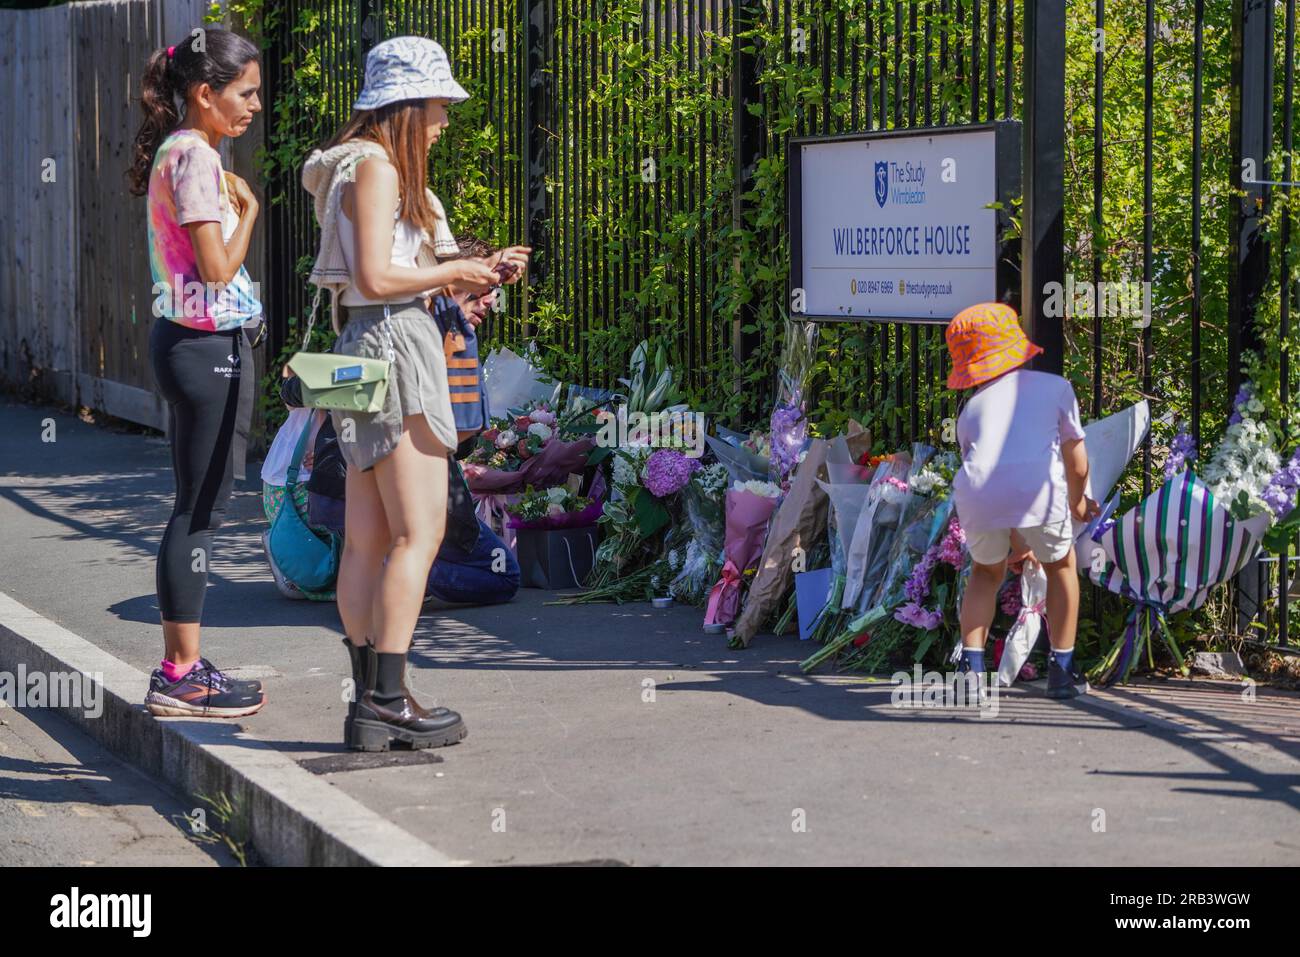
(208, 381)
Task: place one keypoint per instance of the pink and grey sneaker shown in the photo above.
(203, 692)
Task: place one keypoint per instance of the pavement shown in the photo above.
(623, 734)
(65, 800)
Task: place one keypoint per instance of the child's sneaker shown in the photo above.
(203, 692)
(1064, 683)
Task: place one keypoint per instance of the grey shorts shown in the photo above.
(407, 336)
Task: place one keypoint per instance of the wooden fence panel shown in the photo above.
(76, 300)
(38, 192)
(111, 42)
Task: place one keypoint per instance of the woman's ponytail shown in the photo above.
(158, 102)
(168, 77)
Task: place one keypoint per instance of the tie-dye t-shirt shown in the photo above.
(187, 185)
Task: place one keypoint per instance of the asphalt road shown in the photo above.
(65, 801)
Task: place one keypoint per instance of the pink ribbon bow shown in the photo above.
(724, 596)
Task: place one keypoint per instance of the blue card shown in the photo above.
(811, 590)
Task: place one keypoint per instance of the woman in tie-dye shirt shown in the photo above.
(207, 321)
(188, 186)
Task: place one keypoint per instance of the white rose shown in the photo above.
(507, 439)
(556, 494)
(543, 432)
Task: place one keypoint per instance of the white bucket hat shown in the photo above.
(407, 68)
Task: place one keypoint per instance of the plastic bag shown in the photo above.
(1024, 633)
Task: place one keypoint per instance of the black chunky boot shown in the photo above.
(387, 712)
(362, 678)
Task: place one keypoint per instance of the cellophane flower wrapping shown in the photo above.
(923, 529)
(705, 510)
(900, 505)
(789, 423)
(886, 480)
(749, 508)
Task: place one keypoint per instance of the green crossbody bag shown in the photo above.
(333, 381)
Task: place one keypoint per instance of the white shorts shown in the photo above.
(1049, 543)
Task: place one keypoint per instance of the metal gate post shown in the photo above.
(538, 43)
(1251, 134)
(1042, 214)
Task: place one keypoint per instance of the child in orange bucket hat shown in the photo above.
(1024, 468)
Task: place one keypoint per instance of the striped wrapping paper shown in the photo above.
(1165, 555)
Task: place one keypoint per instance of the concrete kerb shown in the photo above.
(295, 817)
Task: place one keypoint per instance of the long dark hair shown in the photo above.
(399, 129)
(216, 61)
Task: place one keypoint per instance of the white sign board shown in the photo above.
(897, 226)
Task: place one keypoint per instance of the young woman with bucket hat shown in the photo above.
(385, 247)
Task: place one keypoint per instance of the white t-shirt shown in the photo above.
(1010, 433)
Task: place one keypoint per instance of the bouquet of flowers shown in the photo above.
(652, 385)
(900, 498)
(557, 507)
(1192, 534)
(928, 611)
(788, 438)
(1025, 600)
(885, 496)
(505, 456)
(928, 528)
(534, 448)
(797, 541)
(749, 507)
(704, 500)
(643, 505)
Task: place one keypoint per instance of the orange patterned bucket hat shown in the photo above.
(985, 341)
